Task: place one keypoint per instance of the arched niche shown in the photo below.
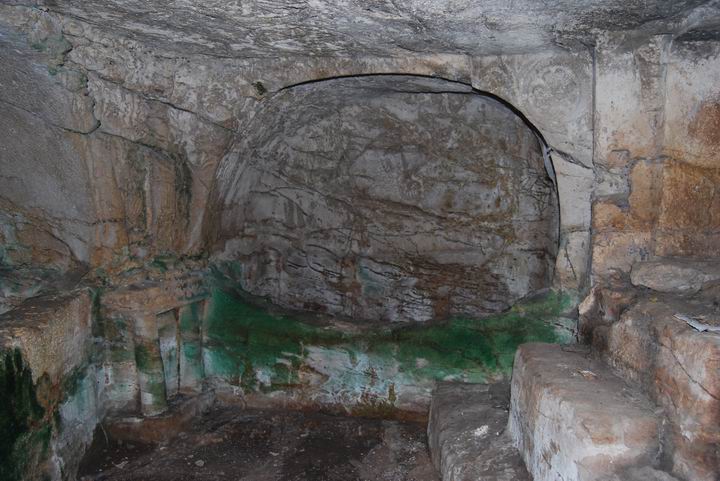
(392, 197)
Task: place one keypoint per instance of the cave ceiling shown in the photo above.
(287, 28)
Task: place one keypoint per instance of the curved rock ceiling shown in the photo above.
(262, 28)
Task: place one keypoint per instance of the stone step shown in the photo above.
(573, 419)
(467, 436)
(678, 367)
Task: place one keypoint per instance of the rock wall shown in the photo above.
(390, 197)
(125, 111)
(52, 398)
(250, 352)
(131, 145)
(45, 202)
(162, 119)
(656, 232)
(656, 153)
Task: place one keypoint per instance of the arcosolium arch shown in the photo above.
(393, 197)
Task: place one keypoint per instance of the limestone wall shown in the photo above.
(166, 120)
(124, 152)
(388, 198)
(656, 154)
(52, 395)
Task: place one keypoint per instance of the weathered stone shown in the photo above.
(467, 437)
(191, 368)
(51, 400)
(575, 207)
(52, 332)
(157, 73)
(168, 291)
(600, 309)
(614, 253)
(629, 95)
(678, 367)
(170, 344)
(57, 200)
(34, 79)
(148, 359)
(268, 357)
(645, 473)
(145, 345)
(125, 123)
(553, 91)
(356, 207)
(325, 28)
(573, 419)
(693, 113)
(571, 267)
(614, 213)
(689, 223)
(675, 275)
(646, 179)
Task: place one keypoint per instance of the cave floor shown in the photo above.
(270, 445)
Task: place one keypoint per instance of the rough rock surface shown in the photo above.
(656, 155)
(45, 202)
(467, 436)
(680, 369)
(163, 121)
(48, 418)
(390, 197)
(274, 29)
(124, 109)
(52, 332)
(645, 473)
(675, 276)
(573, 419)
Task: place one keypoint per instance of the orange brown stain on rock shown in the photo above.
(705, 126)
(646, 180)
(691, 197)
(608, 216)
(636, 137)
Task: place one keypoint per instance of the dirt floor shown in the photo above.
(269, 445)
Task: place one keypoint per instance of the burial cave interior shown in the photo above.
(361, 240)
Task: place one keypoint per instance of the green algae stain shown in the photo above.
(24, 437)
(143, 357)
(478, 347)
(371, 367)
(249, 341)
(192, 349)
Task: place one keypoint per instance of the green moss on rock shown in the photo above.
(24, 434)
(260, 350)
